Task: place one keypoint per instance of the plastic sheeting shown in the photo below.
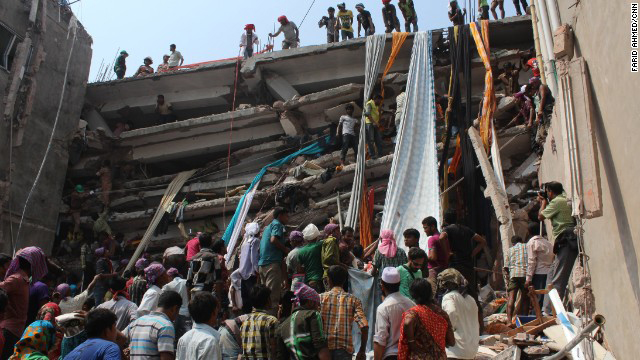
(413, 191)
(235, 226)
(375, 50)
(363, 286)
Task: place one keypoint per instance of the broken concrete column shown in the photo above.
(494, 192)
(279, 87)
(292, 123)
(96, 121)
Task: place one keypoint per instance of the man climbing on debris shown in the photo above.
(529, 61)
(345, 22)
(248, 39)
(365, 21)
(349, 140)
(410, 15)
(175, 59)
(390, 17)
(516, 268)
(456, 15)
(120, 67)
(497, 4)
(272, 267)
(76, 204)
(509, 79)
(554, 207)
(539, 259)
(463, 244)
(291, 33)
(164, 109)
(104, 173)
(331, 23)
(543, 101)
(372, 123)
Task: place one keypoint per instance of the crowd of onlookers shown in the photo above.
(289, 294)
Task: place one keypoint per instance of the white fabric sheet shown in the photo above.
(375, 49)
(413, 191)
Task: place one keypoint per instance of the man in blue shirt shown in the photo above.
(272, 266)
(101, 332)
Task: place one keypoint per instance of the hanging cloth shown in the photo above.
(375, 50)
(413, 182)
(489, 98)
(366, 235)
(398, 40)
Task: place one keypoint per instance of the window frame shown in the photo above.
(15, 40)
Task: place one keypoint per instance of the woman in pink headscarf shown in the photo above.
(388, 254)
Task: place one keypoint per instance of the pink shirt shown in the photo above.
(193, 247)
(434, 243)
(15, 315)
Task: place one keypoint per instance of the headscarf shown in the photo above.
(100, 252)
(305, 292)
(310, 233)
(387, 246)
(296, 236)
(48, 312)
(251, 230)
(283, 18)
(172, 272)
(329, 229)
(142, 263)
(250, 26)
(451, 279)
(64, 290)
(36, 257)
(36, 341)
(153, 272)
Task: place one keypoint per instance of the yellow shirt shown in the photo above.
(371, 109)
(346, 19)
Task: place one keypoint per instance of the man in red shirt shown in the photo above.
(193, 246)
(437, 259)
(29, 262)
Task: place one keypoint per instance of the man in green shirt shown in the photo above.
(310, 258)
(411, 270)
(372, 123)
(409, 13)
(556, 208)
(272, 267)
(484, 9)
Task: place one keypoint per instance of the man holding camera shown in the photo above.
(554, 207)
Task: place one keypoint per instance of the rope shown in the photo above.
(73, 28)
(305, 15)
(226, 182)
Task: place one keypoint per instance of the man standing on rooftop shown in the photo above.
(120, 68)
(248, 39)
(291, 33)
(175, 59)
(345, 18)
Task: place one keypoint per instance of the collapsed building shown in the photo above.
(236, 117)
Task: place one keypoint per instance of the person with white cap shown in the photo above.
(246, 276)
(389, 316)
(145, 69)
(309, 257)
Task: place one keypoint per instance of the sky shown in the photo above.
(206, 30)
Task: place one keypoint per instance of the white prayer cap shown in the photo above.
(310, 232)
(390, 275)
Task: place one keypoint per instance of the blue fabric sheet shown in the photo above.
(314, 148)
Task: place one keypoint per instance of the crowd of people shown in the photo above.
(339, 26)
(289, 295)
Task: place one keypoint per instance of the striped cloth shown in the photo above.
(339, 311)
(257, 333)
(517, 261)
(149, 336)
(36, 257)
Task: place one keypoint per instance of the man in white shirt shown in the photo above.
(248, 39)
(125, 310)
(156, 278)
(348, 124)
(463, 313)
(182, 324)
(70, 304)
(175, 59)
(389, 316)
(203, 341)
(539, 260)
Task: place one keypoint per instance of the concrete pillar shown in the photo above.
(291, 123)
(279, 87)
(95, 120)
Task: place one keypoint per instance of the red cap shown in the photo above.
(250, 26)
(386, 1)
(283, 18)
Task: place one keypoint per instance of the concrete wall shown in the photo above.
(40, 221)
(612, 241)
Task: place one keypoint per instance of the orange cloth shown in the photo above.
(489, 99)
(398, 40)
(366, 237)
